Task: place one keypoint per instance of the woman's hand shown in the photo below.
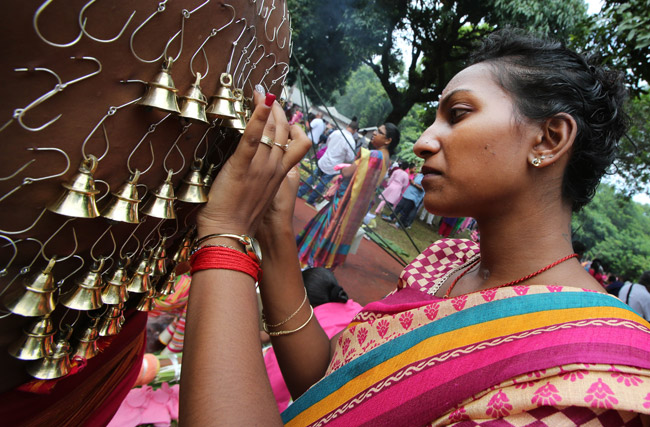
(247, 183)
(279, 216)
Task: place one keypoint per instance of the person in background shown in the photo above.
(397, 183)
(637, 295)
(296, 119)
(325, 241)
(333, 311)
(411, 199)
(316, 128)
(340, 149)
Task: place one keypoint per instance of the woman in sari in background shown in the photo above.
(325, 241)
(513, 333)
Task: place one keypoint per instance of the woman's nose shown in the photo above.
(427, 144)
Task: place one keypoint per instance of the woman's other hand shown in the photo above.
(247, 183)
(279, 216)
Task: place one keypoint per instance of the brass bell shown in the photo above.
(36, 342)
(123, 206)
(38, 298)
(169, 284)
(194, 102)
(192, 188)
(111, 323)
(182, 254)
(114, 291)
(239, 122)
(161, 92)
(54, 365)
(78, 198)
(88, 294)
(147, 303)
(161, 202)
(86, 347)
(208, 178)
(159, 259)
(221, 106)
(140, 282)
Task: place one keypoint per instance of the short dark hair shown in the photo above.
(353, 125)
(545, 78)
(393, 133)
(322, 287)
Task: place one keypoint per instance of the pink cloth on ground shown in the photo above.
(148, 406)
(333, 318)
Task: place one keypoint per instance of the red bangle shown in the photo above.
(218, 257)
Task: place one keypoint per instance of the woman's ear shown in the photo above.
(557, 137)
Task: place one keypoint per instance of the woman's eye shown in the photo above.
(456, 113)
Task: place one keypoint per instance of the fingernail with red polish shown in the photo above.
(270, 99)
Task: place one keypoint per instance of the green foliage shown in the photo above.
(365, 98)
(634, 159)
(616, 230)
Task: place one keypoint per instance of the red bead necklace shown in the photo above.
(514, 282)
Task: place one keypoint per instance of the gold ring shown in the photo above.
(266, 140)
(284, 147)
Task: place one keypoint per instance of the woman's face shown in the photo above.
(476, 151)
(379, 138)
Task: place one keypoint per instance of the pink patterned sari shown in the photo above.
(524, 355)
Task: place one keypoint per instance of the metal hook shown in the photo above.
(54, 234)
(186, 14)
(243, 53)
(38, 32)
(62, 281)
(204, 138)
(213, 33)
(23, 271)
(285, 18)
(254, 66)
(108, 190)
(268, 70)
(161, 8)
(82, 24)
(19, 113)
(22, 168)
(282, 77)
(234, 44)
(76, 246)
(175, 146)
(152, 128)
(28, 228)
(166, 236)
(111, 111)
(132, 235)
(146, 239)
(266, 23)
(3, 272)
(29, 180)
(92, 249)
(69, 326)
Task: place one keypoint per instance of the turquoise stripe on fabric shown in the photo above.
(500, 309)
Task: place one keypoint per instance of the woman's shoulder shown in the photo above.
(440, 258)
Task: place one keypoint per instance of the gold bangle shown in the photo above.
(267, 326)
(279, 333)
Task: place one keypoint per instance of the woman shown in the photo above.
(517, 333)
(397, 183)
(326, 239)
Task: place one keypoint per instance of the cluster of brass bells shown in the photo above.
(193, 189)
(78, 197)
(86, 347)
(38, 297)
(56, 364)
(141, 281)
(161, 201)
(123, 206)
(88, 293)
(182, 254)
(158, 264)
(168, 284)
(147, 303)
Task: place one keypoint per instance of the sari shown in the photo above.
(521, 355)
(326, 239)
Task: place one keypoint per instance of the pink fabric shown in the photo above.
(397, 183)
(148, 406)
(333, 317)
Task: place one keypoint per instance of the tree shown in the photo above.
(634, 158)
(364, 97)
(440, 35)
(616, 230)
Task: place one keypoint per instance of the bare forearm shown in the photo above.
(303, 356)
(224, 380)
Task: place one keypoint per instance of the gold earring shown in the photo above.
(536, 162)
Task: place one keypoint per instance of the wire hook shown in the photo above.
(3, 272)
(152, 128)
(82, 24)
(92, 249)
(28, 180)
(161, 8)
(234, 44)
(132, 235)
(38, 31)
(12, 233)
(175, 146)
(76, 246)
(62, 281)
(204, 138)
